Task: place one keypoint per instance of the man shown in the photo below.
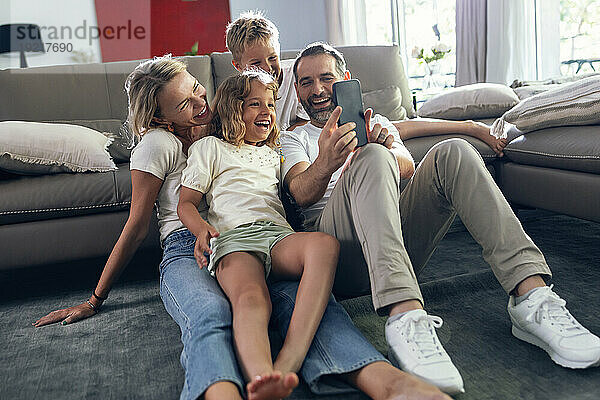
(390, 235)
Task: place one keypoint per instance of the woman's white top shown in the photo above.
(161, 154)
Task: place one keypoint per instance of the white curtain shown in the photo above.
(347, 22)
(511, 41)
(503, 40)
(471, 47)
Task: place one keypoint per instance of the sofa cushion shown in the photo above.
(419, 146)
(387, 102)
(576, 103)
(480, 100)
(42, 148)
(34, 198)
(574, 148)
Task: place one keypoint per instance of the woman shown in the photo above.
(168, 110)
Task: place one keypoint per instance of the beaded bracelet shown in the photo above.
(93, 306)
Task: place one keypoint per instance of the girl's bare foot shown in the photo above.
(482, 131)
(272, 386)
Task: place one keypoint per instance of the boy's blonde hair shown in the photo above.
(248, 29)
(143, 86)
(227, 123)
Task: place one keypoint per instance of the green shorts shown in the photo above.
(257, 238)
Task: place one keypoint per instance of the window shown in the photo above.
(419, 23)
(579, 36)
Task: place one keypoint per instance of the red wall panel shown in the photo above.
(170, 26)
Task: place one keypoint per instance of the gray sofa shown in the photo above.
(69, 216)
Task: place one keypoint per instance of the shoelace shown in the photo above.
(419, 329)
(544, 302)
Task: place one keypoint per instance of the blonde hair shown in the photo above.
(248, 29)
(143, 86)
(227, 123)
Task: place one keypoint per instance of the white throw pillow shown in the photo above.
(34, 148)
(479, 100)
(576, 103)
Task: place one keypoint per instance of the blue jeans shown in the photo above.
(196, 302)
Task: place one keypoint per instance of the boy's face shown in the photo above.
(261, 55)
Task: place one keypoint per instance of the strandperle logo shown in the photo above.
(83, 31)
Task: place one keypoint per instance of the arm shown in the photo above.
(187, 210)
(307, 182)
(145, 188)
(380, 135)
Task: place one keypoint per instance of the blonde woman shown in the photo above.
(168, 111)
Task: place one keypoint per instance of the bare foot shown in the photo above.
(272, 386)
(482, 131)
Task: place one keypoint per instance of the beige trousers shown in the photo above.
(387, 236)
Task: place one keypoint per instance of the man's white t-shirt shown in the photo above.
(287, 107)
(160, 153)
(301, 145)
(241, 184)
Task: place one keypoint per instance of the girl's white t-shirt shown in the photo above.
(241, 184)
(161, 154)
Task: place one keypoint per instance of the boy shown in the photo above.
(254, 42)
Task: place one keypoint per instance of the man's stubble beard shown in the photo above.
(321, 116)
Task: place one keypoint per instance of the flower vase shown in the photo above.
(433, 78)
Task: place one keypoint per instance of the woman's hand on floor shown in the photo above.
(66, 315)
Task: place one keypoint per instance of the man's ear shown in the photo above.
(347, 75)
(296, 89)
(236, 65)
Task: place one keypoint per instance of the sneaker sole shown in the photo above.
(531, 339)
(451, 389)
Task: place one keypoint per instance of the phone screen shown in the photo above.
(348, 95)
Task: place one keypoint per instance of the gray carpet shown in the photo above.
(131, 349)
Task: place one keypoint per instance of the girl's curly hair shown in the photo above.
(227, 123)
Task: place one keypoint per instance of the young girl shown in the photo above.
(247, 235)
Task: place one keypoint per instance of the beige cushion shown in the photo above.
(387, 102)
(480, 100)
(577, 103)
(40, 148)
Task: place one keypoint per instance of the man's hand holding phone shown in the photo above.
(335, 143)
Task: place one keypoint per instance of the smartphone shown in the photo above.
(348, 95)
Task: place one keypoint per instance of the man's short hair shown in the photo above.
(317, 48)
(248, 29)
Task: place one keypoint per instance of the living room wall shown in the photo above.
(299, 22)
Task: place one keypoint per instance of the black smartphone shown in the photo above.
(348, 95)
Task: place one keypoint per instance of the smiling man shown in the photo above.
(387, 236)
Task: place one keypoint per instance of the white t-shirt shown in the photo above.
(160, 153)
(287, 107)
(301, 145)
(240, 184)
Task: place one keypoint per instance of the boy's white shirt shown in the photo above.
(287, 107)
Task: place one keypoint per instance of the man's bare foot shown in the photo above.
(272, 386)
(482, 131)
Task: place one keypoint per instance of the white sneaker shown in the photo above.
(542, 320)
(415, 348)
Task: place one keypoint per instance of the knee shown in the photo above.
(253, 297)
(326, 242)
(456, 151)
(377, 155)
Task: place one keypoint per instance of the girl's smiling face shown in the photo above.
(258, 113)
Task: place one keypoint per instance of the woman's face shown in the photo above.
(183, 102)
